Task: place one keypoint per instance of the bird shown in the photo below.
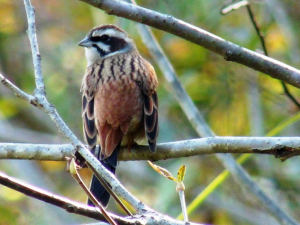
(119, 99)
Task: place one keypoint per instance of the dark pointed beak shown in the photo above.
(86, 42)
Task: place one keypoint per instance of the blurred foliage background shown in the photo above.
(236, 101)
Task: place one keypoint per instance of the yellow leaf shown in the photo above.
(162, 171)
(181, 173)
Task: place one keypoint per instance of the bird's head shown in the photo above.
(105, 41)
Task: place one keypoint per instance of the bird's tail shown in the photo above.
(97, 189)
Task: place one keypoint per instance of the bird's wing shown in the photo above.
(151, 119)
(88, 89)
(150, 104)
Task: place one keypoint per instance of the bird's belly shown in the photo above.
(120, 104)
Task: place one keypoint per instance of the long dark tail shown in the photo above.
(96, 187)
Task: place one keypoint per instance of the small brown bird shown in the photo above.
(119, 100)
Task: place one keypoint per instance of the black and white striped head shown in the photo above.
(104, 41)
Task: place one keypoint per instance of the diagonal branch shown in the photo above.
(68, 205)
(30, 12)
(80, 209)
(19, 93)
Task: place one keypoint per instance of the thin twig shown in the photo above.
(19, 93)
(262, 41)
(183, 205)
(30, 12)
(290, 96)
(74, 172)
(108, 188)
(257, 29)
(232, 5)
(68, 205)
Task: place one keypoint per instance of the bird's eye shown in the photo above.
(95, 39)
(105, 38)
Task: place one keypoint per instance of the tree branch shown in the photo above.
(30, 12)
(19, 93)
(80, 209)
(229, 51)
(281, 147)
(69, 206)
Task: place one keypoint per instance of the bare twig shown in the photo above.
(108, 188)
(232, 5)
(262, 41)
(68, 205)
(290, 96)
(183, 205)
(40, 87)
(19, 93)
(74, 172)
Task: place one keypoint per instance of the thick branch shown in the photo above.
(228, 50)
(281, 147)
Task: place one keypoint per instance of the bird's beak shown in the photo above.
(86, 42)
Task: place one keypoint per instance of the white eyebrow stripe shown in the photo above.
(111, 33)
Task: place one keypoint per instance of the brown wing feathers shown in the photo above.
(90, 131)
(151, 119)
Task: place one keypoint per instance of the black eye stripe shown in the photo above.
(104, 39)
(117, 44)
(113, 44)
(95, 39)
